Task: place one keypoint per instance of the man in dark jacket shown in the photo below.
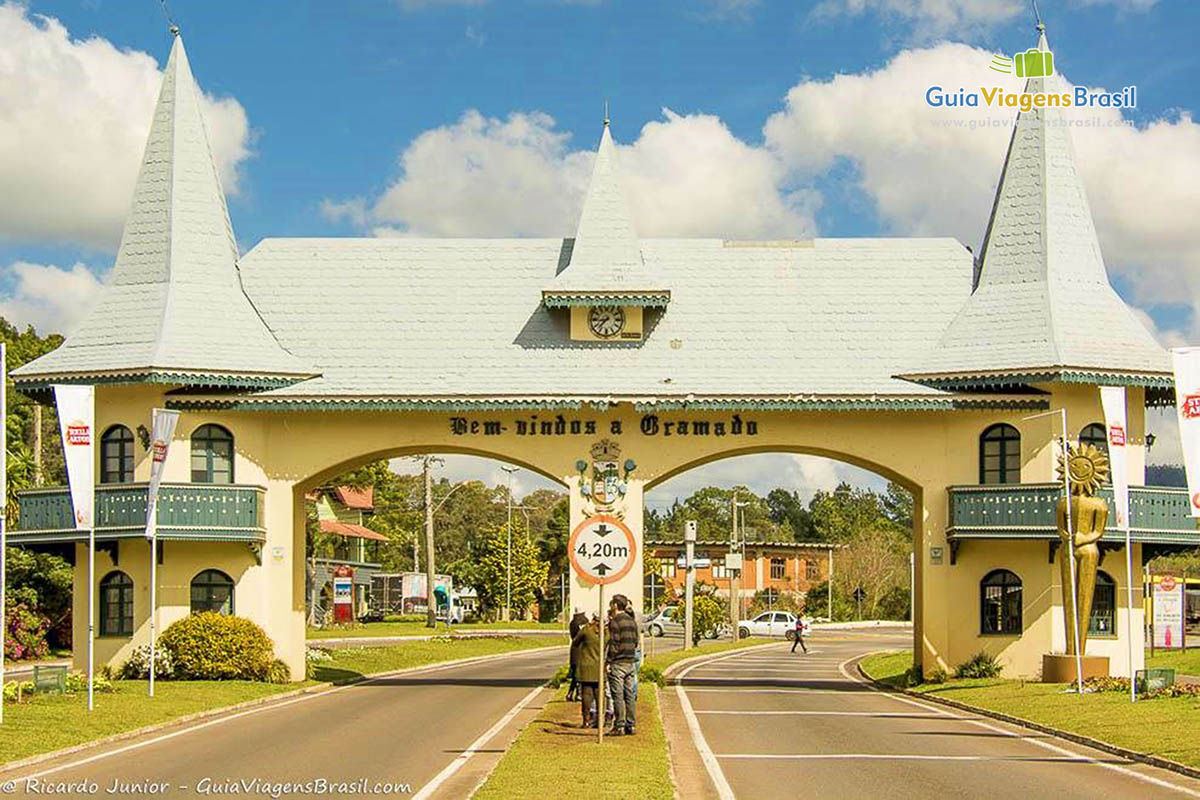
(577, 622)
(621, 649)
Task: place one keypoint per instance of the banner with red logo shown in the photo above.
(76, 421)
(1112, 398)
(164, 431)
(1187, 408)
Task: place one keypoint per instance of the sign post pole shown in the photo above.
(77, 422)
(689, 537)
(603, 666)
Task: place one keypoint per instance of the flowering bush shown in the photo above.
(77, 682)
(26, 638)
(138, 665)
(212, 646)
(314, 654)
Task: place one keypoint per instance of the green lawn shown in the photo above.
(48, 722)
(351, 663)
(1167, 727)
(1184, 662)
(417, 628)
(554, 758)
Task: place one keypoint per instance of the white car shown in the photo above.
(769, 623)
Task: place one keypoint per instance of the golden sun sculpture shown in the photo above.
(1089, 469)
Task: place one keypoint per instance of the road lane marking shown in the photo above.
(272, 707)
(904, 757)
(454, 766)
(1039, 742)
(900, 714)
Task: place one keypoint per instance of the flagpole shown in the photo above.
(4, 511)
(91, 647)
(1129, 616)
(153, 589)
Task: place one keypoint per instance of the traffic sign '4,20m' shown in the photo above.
(602, 549)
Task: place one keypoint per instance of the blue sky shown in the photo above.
(738, 118)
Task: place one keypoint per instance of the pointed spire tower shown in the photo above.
(1042, 308)
(606, 266)
(173, 310)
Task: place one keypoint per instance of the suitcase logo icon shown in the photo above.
(1033, 63)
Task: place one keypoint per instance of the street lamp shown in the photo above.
(508, 580)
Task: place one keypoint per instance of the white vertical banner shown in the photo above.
(77, 422)
(163, 422)
(1112, 398)
(1187, 408)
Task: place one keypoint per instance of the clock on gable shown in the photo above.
(606, 321)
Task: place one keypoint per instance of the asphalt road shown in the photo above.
(777, 725)
(402, 730)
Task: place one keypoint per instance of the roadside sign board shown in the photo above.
(1168, 613)
(602, 549)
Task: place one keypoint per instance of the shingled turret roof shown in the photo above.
(173, 308)
(606, 264)
(1043, 309)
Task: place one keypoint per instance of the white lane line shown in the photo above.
(260, 709)
(715, 773)
(1039, 742)
(899, 757)
(798, 690)
(454, 766)
(901, 714)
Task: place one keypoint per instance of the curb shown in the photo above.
(320, 688)
(678, 665)
(1077, 738)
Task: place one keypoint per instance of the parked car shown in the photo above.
(769, 623)
(662, 623)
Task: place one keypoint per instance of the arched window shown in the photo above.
(1103, 621)
(116, 455)
(1095, 435)
(1000, 455)
(116, 605)
(1000, 603)
(212, 455)
(212, 590)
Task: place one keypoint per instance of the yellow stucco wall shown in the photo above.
(926, 451)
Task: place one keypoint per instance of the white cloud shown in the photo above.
(49, 298)
(935, 18)
(686, 175)
(761, 473)
(73, 124)
(931, 179)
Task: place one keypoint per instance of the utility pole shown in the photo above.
(829, 584)
(430, 600)
(508, 580)
(735, 584)
(689, 538)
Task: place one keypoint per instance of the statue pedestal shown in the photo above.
(1059, 668)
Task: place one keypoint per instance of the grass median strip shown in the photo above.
(555, 758)
(417, 628)
(1184, 662)
(44, 723)
(1168, 727)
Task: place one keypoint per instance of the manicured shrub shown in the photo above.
(77, 682)
(560, 676)
(138, 665)
(315, 654)
(278, 672)
(648, 674)
(937, 676)
(980, 665)
(26, 638)
(16, 691)
(212, 646)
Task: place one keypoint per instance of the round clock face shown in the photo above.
(606, 321)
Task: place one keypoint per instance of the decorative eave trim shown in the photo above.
(123, 532)
(1048, 533)
(654, 298)
(641, 404)
(216, 380)
(999, 379)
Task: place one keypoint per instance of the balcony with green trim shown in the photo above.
(195, 512)
(1159, 516)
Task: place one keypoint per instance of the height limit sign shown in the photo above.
(602, 549)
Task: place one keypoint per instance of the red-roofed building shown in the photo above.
(342, 514)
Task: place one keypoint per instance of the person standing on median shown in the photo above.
(622, 648)
(586, 647)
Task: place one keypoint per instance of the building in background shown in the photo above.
(342, 514)
(785, 567)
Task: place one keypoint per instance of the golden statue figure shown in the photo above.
(1088, 468)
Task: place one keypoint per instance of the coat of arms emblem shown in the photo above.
(606, 483)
